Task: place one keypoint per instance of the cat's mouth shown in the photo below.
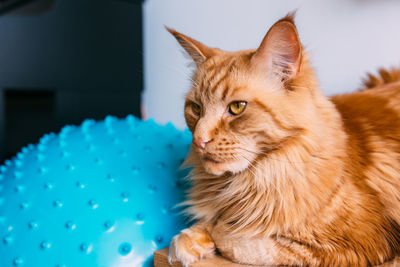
(219, 167)
(213, 166)
(210, 159)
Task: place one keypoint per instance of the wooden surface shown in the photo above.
(161, 260)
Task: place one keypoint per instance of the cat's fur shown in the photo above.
(297, 178)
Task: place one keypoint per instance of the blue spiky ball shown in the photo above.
(98, 194)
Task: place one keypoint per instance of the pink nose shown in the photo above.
(200, 142)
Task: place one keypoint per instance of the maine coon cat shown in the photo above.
(283, 175)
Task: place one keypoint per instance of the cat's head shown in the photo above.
(243, 105)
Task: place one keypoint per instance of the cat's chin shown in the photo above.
(220, 168)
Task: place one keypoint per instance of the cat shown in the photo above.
(283, 175)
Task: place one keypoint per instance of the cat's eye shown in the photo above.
(196, 109)
(237, 107)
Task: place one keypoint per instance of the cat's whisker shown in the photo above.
(266, 153)
(251, 165)
(271, 179)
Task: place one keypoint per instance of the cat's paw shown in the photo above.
(191, 245)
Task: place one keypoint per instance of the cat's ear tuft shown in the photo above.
(196, 50)
(280, 51)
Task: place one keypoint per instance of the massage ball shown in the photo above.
(102, 194)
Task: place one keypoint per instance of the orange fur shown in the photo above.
(385, 77)
(297, 178)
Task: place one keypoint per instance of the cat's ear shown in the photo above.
(280, 51)
(196, 50)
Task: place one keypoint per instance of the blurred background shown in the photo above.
(62, 61)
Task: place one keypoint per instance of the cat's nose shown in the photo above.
(201, 142)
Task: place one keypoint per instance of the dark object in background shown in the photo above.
(80, 59)
(25, 6)
(35, 108)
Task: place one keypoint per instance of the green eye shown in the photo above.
(237, 107)
(196, 109)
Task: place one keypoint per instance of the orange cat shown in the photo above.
(283, 175)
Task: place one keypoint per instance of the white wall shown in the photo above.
(346, 38)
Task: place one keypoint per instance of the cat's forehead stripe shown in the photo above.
(207, 75)
(225, 92)
(215, 78)
(229, 91)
